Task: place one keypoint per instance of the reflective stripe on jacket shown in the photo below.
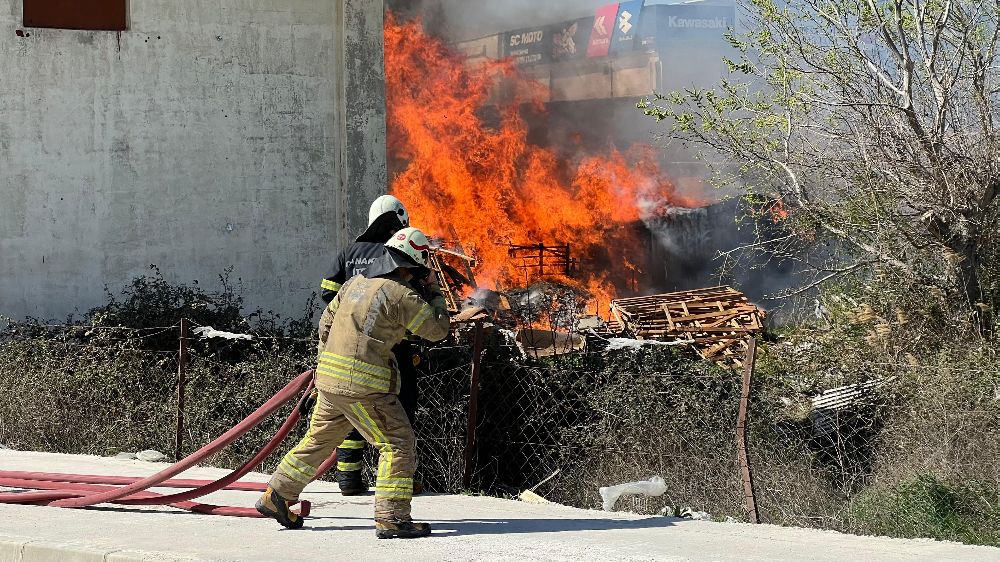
(353, 260)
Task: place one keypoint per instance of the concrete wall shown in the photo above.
(212, 133)
(362, 103)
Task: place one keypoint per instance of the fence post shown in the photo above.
(182, 358)
(470, 433)
(746, 475)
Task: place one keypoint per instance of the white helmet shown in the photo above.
(413, 243)
(388, 204)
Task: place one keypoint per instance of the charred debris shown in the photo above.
(552, 315)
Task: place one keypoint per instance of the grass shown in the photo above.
(925, 506)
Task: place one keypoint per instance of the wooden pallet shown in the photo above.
(719, 320)
(451, 287)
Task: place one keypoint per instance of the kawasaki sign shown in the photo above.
(689, 22)
(697, 23)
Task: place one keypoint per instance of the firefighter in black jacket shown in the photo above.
(386, 217)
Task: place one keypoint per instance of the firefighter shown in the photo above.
(358, 382)
(386, 216)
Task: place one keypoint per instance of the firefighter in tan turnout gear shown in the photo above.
(358, 383)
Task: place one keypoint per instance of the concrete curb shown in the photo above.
(22, 549)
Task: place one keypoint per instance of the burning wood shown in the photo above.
(536, 259)
(547, 305)
(720, 320)
(452, 280)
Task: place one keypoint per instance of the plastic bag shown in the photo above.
(655, 486)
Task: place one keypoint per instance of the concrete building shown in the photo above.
(209, 134)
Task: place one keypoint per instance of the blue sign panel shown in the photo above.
(626, 25)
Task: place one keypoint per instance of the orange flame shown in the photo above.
(487, 186)
(778, 210)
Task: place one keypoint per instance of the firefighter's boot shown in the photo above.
(401, 529)
(276, 507)
(351, 483)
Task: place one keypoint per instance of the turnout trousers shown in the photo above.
(380, 419)
(350, 453)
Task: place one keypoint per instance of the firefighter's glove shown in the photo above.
(306, 406)
(430, 282)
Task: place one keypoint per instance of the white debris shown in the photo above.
(151, 456)
(626, 343)
(126, 456)
(655, 486)
(207, 332)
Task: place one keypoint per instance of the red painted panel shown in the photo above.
(600, 36)
(101, 15)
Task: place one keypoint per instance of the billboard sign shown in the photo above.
(527, 46)
(570, 39)
(602, 31)
(626, 25)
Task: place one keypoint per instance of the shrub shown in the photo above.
(925, 506)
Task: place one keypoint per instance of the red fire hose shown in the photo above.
(122, 480)
(73, 490)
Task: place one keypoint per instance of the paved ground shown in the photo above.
(465, 528)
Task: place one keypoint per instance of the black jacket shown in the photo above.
(355, 259)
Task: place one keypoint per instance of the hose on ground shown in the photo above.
(71, 490)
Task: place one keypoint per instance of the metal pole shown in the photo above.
(746, 475)
(182, 358)
(470, 433)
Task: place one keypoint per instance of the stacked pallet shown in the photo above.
(719, 321)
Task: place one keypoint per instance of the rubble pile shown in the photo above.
(549, 317)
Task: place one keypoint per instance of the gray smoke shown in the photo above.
(458, 20)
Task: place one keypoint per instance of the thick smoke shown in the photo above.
(458, 20)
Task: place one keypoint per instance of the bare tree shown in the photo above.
(874, 124)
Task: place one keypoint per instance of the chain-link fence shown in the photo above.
(603, 418)
(442, 418)
(84, 389)
(96, 390)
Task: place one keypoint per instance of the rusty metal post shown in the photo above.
(746, 475)
(182, 358)
(470, 433)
